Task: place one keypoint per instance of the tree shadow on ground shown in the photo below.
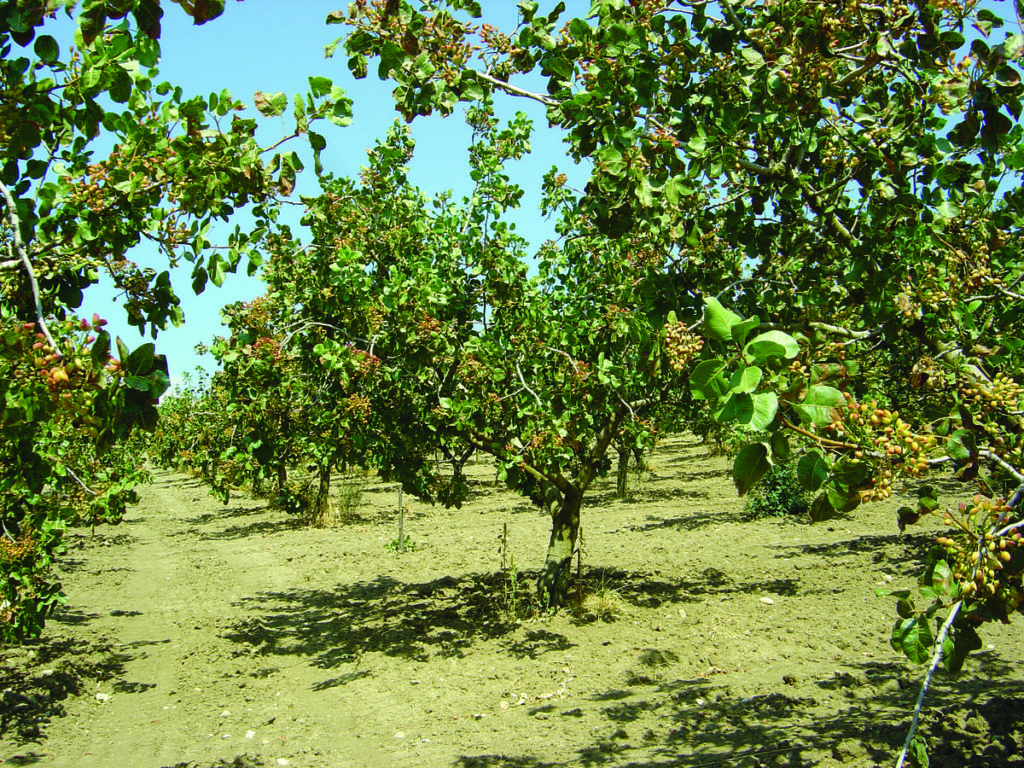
(224, 514)
(899, 551)
(862, 721)
(36, 679)
(258, 527)
(413, 620)
(648, 590)
(443, 617)
(694, 453)
(691, 521)
(646, 495)
(182, 482)
(239, 761)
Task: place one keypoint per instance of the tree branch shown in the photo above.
(78, 480)
(527, 386)
(516, 91)
(818, 438)
(1003, 463)
(936, 658)
(868, 65)
(19, 247)
(760, 170)
(734, 20)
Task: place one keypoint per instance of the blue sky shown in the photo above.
(270, 46)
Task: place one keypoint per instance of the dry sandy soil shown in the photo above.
(202, 636)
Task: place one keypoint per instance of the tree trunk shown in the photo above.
(622, 473)
(321, 512)
(282, 477)
(553, 584)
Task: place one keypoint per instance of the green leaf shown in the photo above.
(611, 160)
(905, 608)
(771, 344)
(140, 383)
(140, 361)
(739, 408)
(913, 637)
(766, 407)
(743, 328)
(750, 465)
(320, 86)
(47, 49)
(215, 269)
(918, 751)
(821, 509)
(677, 188)
(318, 144)
(199, 278)
(202, 11)
(812, 471)
(100, 352)
(752, 57)
(707, 381)
(299, 112)
(851, 472)
(781, 450)
(745, 380)
(962, 445)
(270, 104)
(718, 321)
(818, 405)
(948, 210)
(936, 580)
(841, 497)
(122, 350)
(961, 642)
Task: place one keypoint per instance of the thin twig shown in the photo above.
(277, 144)
(575, 365)
(527, 386)
(818, 438)
(78, 480)
(306, 325)
(15, 222)
(1009, 293)
(734, 20)
(631, 411)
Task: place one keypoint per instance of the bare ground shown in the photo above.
(203, 636)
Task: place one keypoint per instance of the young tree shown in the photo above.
(433, 315)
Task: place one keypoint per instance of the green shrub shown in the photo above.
(779, 494)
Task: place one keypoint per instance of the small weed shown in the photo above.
(396, 546)
(510, 590)
(602, 603)
(349, 498)
(517, 602)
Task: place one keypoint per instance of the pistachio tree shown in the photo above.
(434, 332)
(106, 173)
(865, 158)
